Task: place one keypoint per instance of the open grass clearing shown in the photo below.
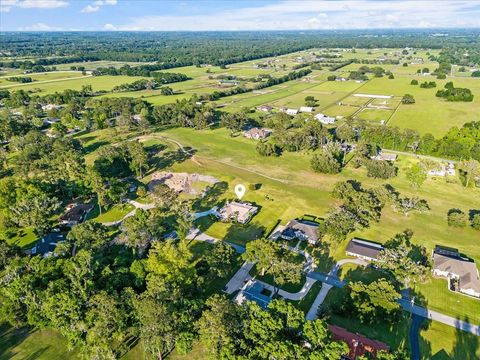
(376, 115)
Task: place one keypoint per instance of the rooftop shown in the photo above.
(453, 263)
(48, 243)
(364, 248)
(358, 344)
(237, 210)
(309, 229)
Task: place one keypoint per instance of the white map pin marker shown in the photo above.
(240, 190)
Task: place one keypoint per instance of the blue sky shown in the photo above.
(150, 15)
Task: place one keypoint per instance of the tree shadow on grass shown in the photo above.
(211, 197)
(467, 345)
(323, 259)
(168, 158)
(11, 338)
(94, 146)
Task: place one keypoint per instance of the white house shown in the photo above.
(292, 112)
(306, 109)
(241, 212)
(49, 107)
(324, 119)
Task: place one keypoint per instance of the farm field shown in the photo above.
(92, 65)
(38, 77)
(428, 114)
(98, 83)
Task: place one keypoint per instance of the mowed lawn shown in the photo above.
(290, 189)
(429, 113)
(443, 342)
(21, 344)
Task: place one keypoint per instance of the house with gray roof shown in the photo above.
(363, 249)
(301, 230)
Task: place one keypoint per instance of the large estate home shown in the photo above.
(461, 272)
(301, 230)
(240, 212)
(75, 214)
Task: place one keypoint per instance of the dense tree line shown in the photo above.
(174, 48)
(20, 79)
(149, 70)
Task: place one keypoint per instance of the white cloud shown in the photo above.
(109, 27)
(41, 4)
(90, 9)
(40, 27)
(97, 5)
(7, 5)
(321, 14)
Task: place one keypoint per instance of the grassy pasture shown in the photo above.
(375, 115)
(98, 83)
(38, 77)
(92, 65)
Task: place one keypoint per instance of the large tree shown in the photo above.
(376, 301)
(274, 259)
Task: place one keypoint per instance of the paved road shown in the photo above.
(445, 319)
(413, 334)
(332, 280)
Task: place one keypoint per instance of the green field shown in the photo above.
(290, 189)
(442, 342)
(98, 83)
(428, 114)
(38, 78)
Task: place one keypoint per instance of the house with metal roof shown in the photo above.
(363, 249)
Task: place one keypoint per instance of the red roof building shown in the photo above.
(359, 345)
